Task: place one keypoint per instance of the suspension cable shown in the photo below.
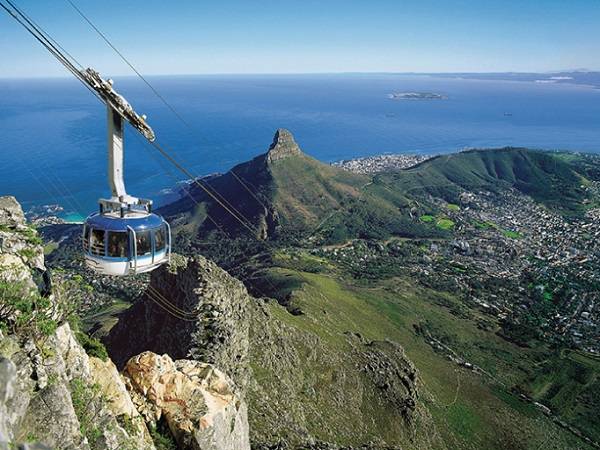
(158, 294)
(158, 94)
(167, 309)
(49, 43)
(198, 182)
(44, 38)
(103, 36)
(46, 41)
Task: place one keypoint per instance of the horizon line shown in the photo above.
(511, 72)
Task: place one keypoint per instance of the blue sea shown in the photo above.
(53, 131)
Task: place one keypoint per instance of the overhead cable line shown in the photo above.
(59, 53)
(167, 309)
(44, 38)
(41, 36)
(103, 36)
(178, 310)
(158, 94)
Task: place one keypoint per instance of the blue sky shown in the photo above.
(309, 36)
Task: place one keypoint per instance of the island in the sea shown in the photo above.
(417, 96)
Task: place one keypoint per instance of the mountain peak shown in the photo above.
(283, 146)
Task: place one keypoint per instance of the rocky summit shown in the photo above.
(283, 146)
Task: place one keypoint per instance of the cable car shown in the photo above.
(136, 243)
(124, 237)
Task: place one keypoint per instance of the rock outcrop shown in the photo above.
(196, 399)
(214, 328)
(53, 395)
(51, 392)
(19, 252)
(307, 394)
(283, 146)
(57, 395)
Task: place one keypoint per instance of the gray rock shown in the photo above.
(51, 418)
(283, 146)
(8, 374)
(215, 332)
(11, 213)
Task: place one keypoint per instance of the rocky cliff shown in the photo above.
(192, 309)
(300, 389)
(53, 395)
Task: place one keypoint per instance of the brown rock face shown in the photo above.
(283, 146)
(195, 398)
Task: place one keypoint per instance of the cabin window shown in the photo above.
(159, 239)
(97, 242)
(86, 237)
(144, 244)
(117, 244)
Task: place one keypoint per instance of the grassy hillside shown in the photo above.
(459, 408)
(340, 321)
(546, 177)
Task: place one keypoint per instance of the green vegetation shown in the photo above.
(31, 235)
(86, 401)
(543, 176)
(23, 309)
(391, 310)
(326, 300)
(485, 225)
(92, 346)
(464, 421)
(444, 224)
(162, 437)
(50, 247)
(512, 234)
(27, 253)
(126, 422)
(567, 381)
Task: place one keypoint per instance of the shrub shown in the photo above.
(161, 435)
(87, 402)
(91, 345)
(23, 309)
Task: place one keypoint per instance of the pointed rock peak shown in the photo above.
(283, 146)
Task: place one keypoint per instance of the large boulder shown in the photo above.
(197, 401)
(57, 395)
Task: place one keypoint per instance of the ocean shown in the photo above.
(53, 131)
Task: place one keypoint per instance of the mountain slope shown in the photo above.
(544, 176)
(283, 187)
(285, 194)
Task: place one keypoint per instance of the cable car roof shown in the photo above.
(116, 223)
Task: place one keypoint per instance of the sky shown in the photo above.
(308, 36)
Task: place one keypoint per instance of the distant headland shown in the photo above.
(417, 96)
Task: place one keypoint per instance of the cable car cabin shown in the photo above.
(136, 243)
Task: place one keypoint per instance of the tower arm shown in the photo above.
(117, 102)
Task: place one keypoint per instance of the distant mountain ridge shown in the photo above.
(284, 192)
